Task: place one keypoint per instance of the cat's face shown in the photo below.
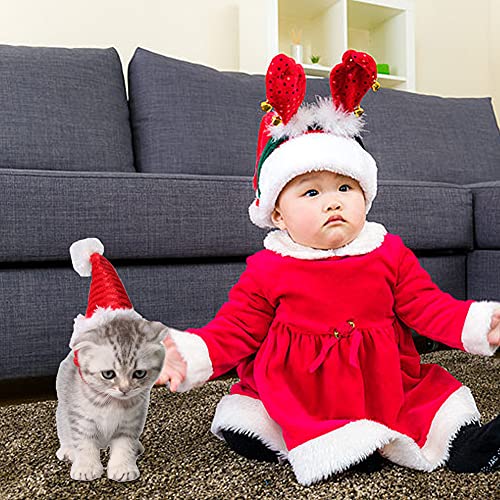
(123, 358)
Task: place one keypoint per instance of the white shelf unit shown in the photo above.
(383, 28)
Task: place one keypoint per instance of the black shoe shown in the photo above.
(249, 447)
(372, 463)
(476, 448)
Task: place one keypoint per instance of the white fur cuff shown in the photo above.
(195, 353)
(476, 327)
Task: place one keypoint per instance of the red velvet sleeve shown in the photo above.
(243, 321)
(421, 305)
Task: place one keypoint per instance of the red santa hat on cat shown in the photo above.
(107, 296)
(295, 139)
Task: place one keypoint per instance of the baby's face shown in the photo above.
(321, 210)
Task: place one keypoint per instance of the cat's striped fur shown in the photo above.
(95, 409)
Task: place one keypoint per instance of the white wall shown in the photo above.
(457, 41)
(454, 42)
(204, 31)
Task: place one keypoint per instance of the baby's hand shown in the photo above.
(174, 367)
(494, 333)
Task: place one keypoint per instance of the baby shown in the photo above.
(318, 325)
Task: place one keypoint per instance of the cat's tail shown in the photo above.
(81, 251)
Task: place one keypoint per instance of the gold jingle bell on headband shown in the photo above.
(277, 120)
(265, 106)
(358, 111)
(375, 86)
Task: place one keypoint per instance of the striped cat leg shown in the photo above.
(123, 453)
(87, 463)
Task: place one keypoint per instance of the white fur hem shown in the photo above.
(248, 416)
(476, 328)
(309, 153)
(338, 450)
(195, 353)
(371, 237)
(100, 317)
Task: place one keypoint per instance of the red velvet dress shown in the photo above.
(325, 343)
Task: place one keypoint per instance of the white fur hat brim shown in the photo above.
(308, 153)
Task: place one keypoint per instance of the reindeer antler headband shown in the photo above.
(296, 138)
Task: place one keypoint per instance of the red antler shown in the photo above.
(351, 79)
(285, 85)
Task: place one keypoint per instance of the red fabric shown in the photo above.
(351, 79)
(77, 363)
(106, 288)
(286, 329)
(285, 86)
(262, 140)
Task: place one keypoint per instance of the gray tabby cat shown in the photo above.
(104, 401)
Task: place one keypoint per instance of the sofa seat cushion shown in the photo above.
(63, 109)
(487, 213)
(156, 216)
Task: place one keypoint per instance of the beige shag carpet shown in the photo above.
(183, 460)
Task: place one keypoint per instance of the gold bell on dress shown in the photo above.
(265, 106)
(375, 86)
(358, 111)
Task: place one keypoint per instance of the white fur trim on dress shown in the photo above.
(310, 153)
(320, 115)
(338, 450)
(81, 251)
(476, 327)
(248, 416)
(195, 353)
(100, 317)
(371, 237)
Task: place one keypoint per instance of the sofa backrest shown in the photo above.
(430, 138)
(63, 109)
(188, 118)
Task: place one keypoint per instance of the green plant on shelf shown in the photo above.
(315, 59)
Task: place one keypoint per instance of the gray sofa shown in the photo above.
(164, 180)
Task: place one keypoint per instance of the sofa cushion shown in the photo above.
(427, 215)
(180, 216)
(188, 118)
(487, 213)
(63, 109)
(482, 275)
(429, 138)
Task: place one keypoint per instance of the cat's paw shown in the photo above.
(65, 453)
(86, 471)
(123, 472)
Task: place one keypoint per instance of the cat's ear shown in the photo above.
(155, 331)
